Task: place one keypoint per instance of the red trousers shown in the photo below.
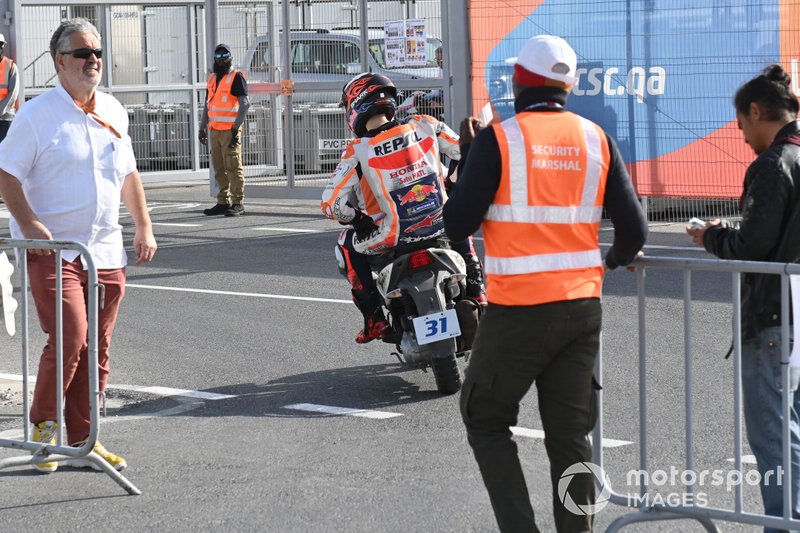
(42, 275)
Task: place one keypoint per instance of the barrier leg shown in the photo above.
(121, 480)
(650, 516)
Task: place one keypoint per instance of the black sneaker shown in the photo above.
(219, 209)
(235, 210)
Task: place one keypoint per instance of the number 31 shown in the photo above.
(434, 326)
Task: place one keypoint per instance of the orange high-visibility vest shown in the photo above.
(541, 231)
(222, 105)
(5, 76)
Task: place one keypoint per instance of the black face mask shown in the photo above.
(222, 67)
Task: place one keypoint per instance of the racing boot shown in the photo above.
(375, 324)
(475, 287)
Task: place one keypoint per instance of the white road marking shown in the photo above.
(187, 404)
(158, 205)
(17, 377)
(539, 434)
(746, 460)
(160, 391)
(673, 248)
(4, 212)
(288, 230)
(345, 411)
(167, 391)
(177, 224)
(229, 293)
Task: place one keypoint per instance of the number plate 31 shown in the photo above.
(436, 327)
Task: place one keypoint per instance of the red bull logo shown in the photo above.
(417, 193)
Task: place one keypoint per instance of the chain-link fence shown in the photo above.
(157, 61)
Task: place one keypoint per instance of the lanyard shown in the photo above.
(89, 110)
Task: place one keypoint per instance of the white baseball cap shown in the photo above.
(548, 56)
(2, 38)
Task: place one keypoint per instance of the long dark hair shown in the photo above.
(772, 90)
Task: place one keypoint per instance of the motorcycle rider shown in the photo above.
(390, 187)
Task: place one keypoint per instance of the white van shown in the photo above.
(333, 56)
(330, 59)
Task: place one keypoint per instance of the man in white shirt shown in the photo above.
(64, 168)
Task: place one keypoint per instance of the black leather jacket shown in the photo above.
(769, 230)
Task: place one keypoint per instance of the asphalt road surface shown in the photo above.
(300, 429)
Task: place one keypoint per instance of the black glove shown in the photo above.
(363, 224)
(234, 138)
(202, 136)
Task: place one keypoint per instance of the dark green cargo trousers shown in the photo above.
(555, 346)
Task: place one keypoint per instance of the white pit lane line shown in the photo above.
(230, 293)
(539, 434)
(159, 391)
(366, 413)
(291, 230)
(341, 411)
(177, 225)
(746, 460)
(188, 400)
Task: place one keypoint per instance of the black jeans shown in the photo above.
(554, 345)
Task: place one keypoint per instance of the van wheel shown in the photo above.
(447, 374)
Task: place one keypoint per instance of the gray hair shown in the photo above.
(60, 39)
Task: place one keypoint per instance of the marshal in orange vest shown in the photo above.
(5, 75)
(541, 231)
(222, 105)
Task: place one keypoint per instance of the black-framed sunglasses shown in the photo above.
(84, 53)
(226, 55)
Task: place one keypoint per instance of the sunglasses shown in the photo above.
(226, 55)
(84, 53)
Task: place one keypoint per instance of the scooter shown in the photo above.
(433, 323)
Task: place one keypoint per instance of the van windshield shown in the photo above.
(378, 49)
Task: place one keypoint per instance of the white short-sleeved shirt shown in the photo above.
(71, 169)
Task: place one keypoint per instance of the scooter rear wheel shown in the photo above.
(447, 374)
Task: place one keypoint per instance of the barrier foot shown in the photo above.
(650, 516)
(121, 480)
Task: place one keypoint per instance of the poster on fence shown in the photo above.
(405, 43)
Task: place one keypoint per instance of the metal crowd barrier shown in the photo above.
(704, 514)
(46, 452)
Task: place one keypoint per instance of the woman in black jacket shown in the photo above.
(766, 111)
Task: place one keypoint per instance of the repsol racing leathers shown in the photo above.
(402, 182)
(394, 175)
